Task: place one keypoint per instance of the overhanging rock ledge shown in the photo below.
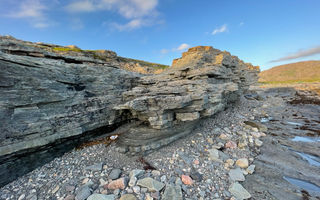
(51, 94)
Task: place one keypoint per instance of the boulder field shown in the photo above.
(53, 96)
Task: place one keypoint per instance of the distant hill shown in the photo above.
(306, 71)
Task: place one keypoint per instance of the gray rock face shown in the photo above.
(168, 105)
(52, 94)
(47, 97)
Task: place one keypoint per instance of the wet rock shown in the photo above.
(101, 197)
(239, 192)
(172, 192)
(114, 174)
(151, 184)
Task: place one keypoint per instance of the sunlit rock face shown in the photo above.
(201, 83)
(52, 94)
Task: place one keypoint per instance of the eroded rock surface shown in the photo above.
(201, 83)
(48, 97)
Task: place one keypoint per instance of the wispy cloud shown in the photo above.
(221, 29)
(81, 6)
(241, 23)
(300, 54)
(139, 13)
(181, 47)
(33, 11)
(29, 9)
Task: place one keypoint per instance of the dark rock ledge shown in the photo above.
(50, 102)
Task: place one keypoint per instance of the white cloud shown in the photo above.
(29, 9)
(300, 54)
(129, 9)
(33, 11)
(241, 23)
(81, 6)
(136, 8)
(133, 24)
(139, 12)
(221, 29)
(183, 46)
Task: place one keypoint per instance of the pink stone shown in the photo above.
(231, 144)
(120, 183)
(186, 180)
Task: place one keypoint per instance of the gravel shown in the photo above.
(206, 156)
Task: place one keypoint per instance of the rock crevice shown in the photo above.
(49, 96)
(201, 83)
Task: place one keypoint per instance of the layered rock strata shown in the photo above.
(201, 83)
(50, 94)
(48, 98)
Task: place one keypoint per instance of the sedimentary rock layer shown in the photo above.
(198, 85)
(51, 93)
(46, 98)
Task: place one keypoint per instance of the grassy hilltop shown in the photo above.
(306, 71)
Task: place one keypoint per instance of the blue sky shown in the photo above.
(264, 32)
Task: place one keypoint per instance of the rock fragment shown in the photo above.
(239, 191)
(242, 162)
(151, 184)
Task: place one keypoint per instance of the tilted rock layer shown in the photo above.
(168, 105)
(49, 93)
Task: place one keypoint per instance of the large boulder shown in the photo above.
(201, 83)
(47, 97)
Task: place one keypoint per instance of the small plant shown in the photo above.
(66, 49)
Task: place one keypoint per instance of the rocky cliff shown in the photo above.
(201, 83)
(51, 94)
